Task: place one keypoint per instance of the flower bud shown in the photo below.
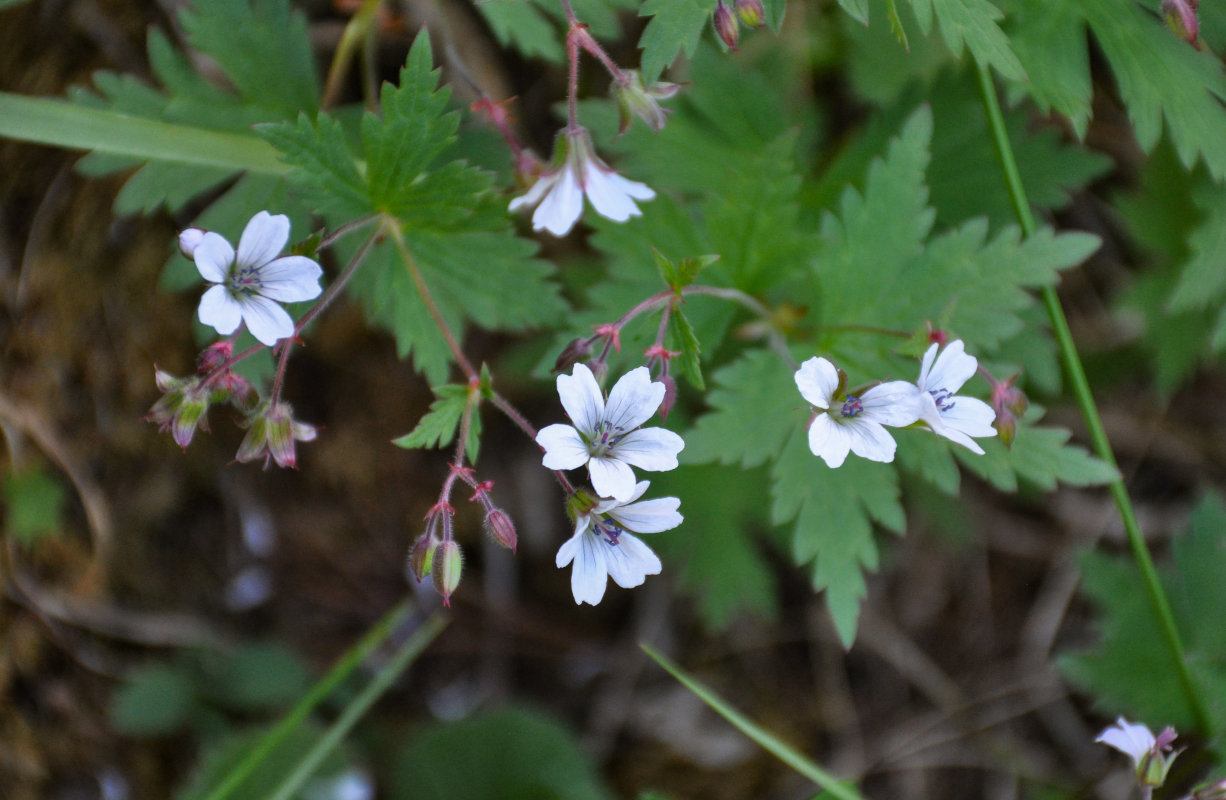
(214, 356)
(751, 12)
(1009, 403)
(181, 408)
(572, 354)
(670, 395)
(421, 557)
(271, 433)
(635, 99)
(448, 564)
(189, 240)
(726, 26)
(1181, 18)
(501, 529)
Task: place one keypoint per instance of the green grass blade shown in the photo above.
(785, 753)
(63, 124)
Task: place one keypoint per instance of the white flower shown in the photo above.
(1133, 740)
(603, 545)
(249, 284)
(955, 418)
(576, 170)
(604, 436)
(856, 426)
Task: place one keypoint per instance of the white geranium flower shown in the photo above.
(1134, 740)
(955, 418)
(604, 547)
(855, 426)
(576, 171)
(606, 436)
(249, 284)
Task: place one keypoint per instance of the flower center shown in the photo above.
(607, 437)
(943, 398)
(853, 407)
(245, 280)
(609, 530)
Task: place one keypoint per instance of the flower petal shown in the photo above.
(869, 440)
(1132, 739)
(291, 279)
(263, 239)
(219, 310)
(562, 206)
(589, 575)
(534, 193)
(829, 441)
(610, 193)
(970, 415)
(214, 257)
(817, 380)
(649, 516)
(570, 548)
(633, 399)
(266, 320)
(564, 448)
(897, 404)
(630, 561)
(652, 449)
(582, 400)
(953, 368)
(611, 478)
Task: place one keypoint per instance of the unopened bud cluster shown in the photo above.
(184, 404)
(727, 21)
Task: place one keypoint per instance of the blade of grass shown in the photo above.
(358, 706)
(765, 739)
(1089, 410)
(343, 668)
(76, 127)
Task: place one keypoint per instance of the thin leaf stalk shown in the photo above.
(319, 692)
(1089, 410)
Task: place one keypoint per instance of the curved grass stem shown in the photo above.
(1089, 410)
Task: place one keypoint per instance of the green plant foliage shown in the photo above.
(973, 23)
(455, 228)
(521, 24)
(1159, 77)
(510, 754)
(438, 427)
(156, 700)
(223, 756)
(271, 83)
(264, 676)
(34, 502)
(675, 26)
(1130, 671)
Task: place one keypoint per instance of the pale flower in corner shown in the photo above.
(576, 171)
(949, 415)
(249, 284)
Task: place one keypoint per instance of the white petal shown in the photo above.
(817, 379)
(263, 239)
(971, 416)
(219, 310)
(829, 441)
(569, 548)
(562, 206)
(869, 440)
(1134, 740)
(214, 257)
(564, 448)
(652, 449)
(589, 575)
(611, 478)
(266, 320)
(534, 194)
(633, 399)
(291, 279)
(610, 193)
(630, 561)
(952, 369)
(581, 397)
(926, 366)
(649, 516)
(897, 403)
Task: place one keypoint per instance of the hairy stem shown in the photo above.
(1089, 410)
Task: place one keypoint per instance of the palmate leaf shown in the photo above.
(269, 83)
(1160, 78)
(675, 26)
(972, 23)
(438, 427)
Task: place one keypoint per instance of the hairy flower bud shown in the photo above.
(1009, 403)
(636, 99)
(271, 433)
(214, 356)
(726, 26)
(670, 395)
(751, 12)
(189, 240)
(421, 556)
(448, 564)
(181, 408)
(501, 529)
(573, 353)
(1181, 18)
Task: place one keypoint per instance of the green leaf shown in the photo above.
(675, 25)
(858, 9)
(1202, 282)
(155, 700)
(1040, 456)
(509, 753)
(35, 502)
(973, 23)
(324, 171)
(438, 427)
(520, 24)
(266, 676)
(682, 333)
